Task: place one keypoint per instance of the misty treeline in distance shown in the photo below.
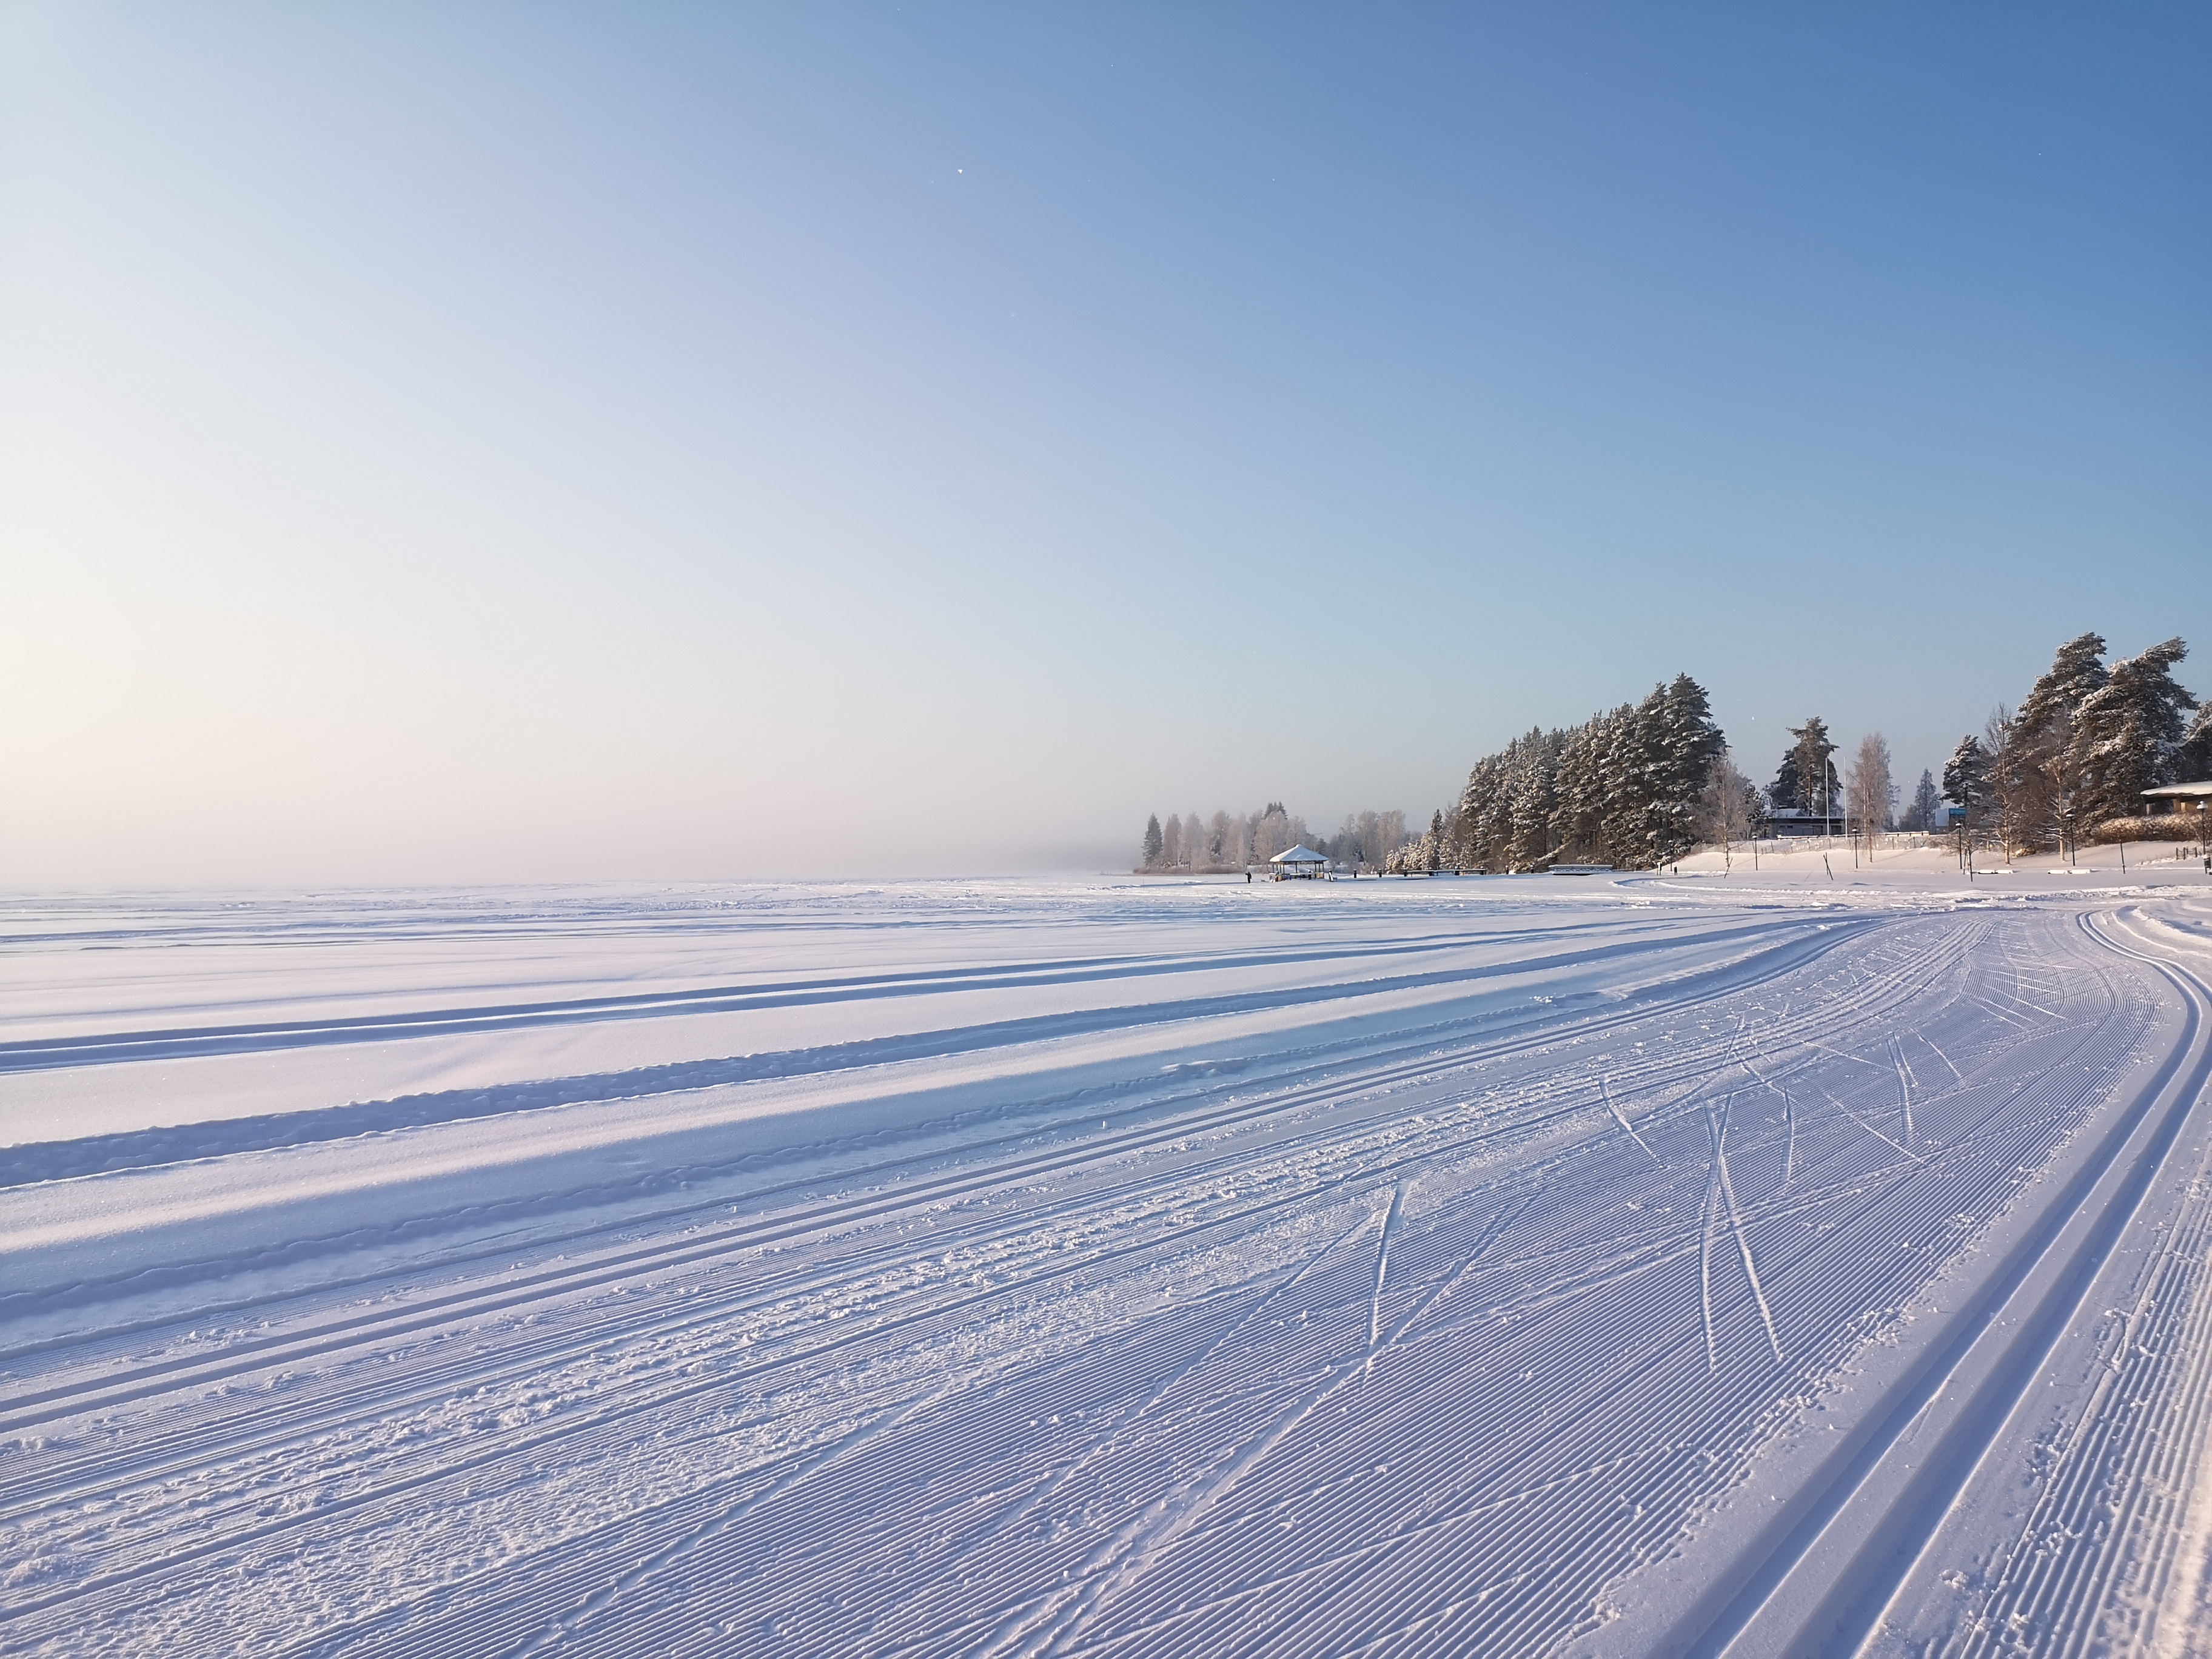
(1638, 786)
(1624, 788)
(1227, 842)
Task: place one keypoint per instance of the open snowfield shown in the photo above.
(1801, 1261)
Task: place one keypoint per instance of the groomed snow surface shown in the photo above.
(1801, 1261)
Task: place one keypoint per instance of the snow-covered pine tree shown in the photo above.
(1630, 742)
(1427, 854)
(1783, 792)
(1471, 801)
(1493, 830)
(2192, 759)
(1271, 834)
(1155, 842)
(1578, 797)
(1621, 788)
(1967, 778)
(2077, 670)
(1642, 758)
(2020, 788)
(1530, 802)
(1696, 742)
(1689, 743)
(1812, 764)
(2125, 735)
(2043, 768)
(1622, 751)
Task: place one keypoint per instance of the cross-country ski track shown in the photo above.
(1650, 1264)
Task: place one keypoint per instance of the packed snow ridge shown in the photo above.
(1784, 1262)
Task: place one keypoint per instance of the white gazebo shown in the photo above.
(1299, 864)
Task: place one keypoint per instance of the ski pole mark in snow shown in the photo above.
(1904, 1086)
(1789, 1119)
(1921, 1038)
(1605, 1092)
(1444, 1287)
(1742, 1243)
(1887, 1140)
(1705, 1222)
(1382, 1267)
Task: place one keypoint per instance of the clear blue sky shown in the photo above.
(541, 441)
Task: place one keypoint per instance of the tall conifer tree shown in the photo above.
(1966, 777)
(1812, 762)
(2125, 735)
(2040, 775)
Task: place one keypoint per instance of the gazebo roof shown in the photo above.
(2184, 790)
(1299, 855)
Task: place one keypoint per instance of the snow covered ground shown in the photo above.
(1806, 1260)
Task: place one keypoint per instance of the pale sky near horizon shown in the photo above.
(519, 442)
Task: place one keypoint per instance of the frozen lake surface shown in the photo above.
(1774, 1263)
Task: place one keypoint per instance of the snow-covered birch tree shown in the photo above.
(1724, 808)
(1868, 793)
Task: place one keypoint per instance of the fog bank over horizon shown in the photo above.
(501, 446)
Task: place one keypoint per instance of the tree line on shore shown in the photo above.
(2072, 762)
(1638, 786)
(1625, 787)
(1226, 841)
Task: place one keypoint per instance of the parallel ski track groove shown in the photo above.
(45, 1053)
(282, 1351)
(256, 1353)
(1565, 1527)
(533, 1357)
(2121, 1478)
(1842, 1617)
